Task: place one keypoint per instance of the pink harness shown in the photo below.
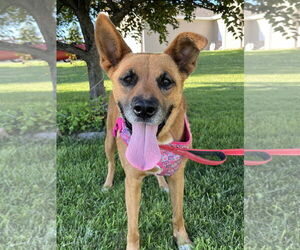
(170, 161)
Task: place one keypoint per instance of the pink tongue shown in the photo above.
(143, 152)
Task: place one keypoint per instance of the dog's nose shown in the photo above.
(144, 108)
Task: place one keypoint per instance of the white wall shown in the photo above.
(259, 34)
(135, 46)
(227, 38)
(214, 30)
(205, 28)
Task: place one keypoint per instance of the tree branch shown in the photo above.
(81, 11)
(26, 49)
(71, 49)
(44, 20)
(118, 13)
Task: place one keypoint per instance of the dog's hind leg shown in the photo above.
(162, 183)
(110, 147)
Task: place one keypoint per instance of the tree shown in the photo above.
(283, 15)
(40, 28)
(75, 20)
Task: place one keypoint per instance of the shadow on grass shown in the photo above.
(26, 74)
(72, 97)
(283, 62)
(16, 100)
(213, 65)
(77, 73)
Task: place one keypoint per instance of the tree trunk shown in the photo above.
(96, 77)
(52, 67)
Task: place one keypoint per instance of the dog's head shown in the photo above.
(146, 87)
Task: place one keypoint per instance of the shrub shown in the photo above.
(79, 117)
(28, 119)
(69, 119)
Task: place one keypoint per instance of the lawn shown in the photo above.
(24, 83)
(27, 165)
(223, 205)
(271, 119)
(89, 218)
(27, 103)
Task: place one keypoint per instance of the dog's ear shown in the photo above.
(110, 44)
(185, 49)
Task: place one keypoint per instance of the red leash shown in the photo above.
(265, 155)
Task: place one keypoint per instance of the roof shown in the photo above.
(203, 14)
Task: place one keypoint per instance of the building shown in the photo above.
(258, 34)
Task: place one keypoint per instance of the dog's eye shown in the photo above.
(129, 79)
(165, 82)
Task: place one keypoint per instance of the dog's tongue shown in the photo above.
(143, 151)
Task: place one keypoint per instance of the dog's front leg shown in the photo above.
(176, 186)
(133, 186)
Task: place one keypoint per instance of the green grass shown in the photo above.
(27, 166)
(272, 99)
(27, 194)
(272, 120)
(22, 84)
(214, 196)
(89, 218)
(73, 78)
(27, 103)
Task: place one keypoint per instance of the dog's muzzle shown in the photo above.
(144, 108)
(146, 114)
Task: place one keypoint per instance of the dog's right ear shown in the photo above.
(110, 44)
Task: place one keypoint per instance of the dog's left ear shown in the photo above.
(110, 44)
(185, 49)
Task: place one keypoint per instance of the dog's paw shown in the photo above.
(185, 247)
(106, 188)
(165, 189)
(183, 242)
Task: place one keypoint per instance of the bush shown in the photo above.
(79, 117)
(28, 119)
(69, 119)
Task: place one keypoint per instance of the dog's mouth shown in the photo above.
(143, 150)
(129, 125)
(160, 126)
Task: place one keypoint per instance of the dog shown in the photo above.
(147, 109)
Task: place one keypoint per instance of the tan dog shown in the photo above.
(147, 93)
